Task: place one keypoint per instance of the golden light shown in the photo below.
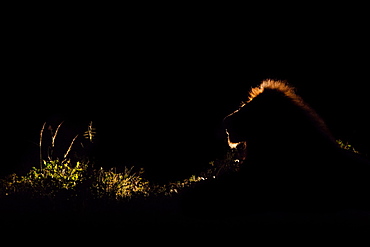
(232, 145)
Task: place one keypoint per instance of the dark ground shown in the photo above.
(160, 221)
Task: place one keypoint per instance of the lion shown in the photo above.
(291, 161)
(291, 157)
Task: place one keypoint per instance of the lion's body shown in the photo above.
(292, 162)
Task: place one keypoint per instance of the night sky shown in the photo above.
(157, 91)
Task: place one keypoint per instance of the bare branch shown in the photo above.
(55, 134)
(40, 144)
(70, 147)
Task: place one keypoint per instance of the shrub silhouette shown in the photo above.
(291, 160)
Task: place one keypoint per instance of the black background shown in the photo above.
(157, 85)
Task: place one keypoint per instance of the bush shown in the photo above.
(57, 178)
(112, 185)
(346, 146)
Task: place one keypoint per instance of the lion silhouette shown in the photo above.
(292, 162)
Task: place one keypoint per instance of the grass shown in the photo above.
(71, 180)
(79, 182)
(63, 178)
(71, 191)
(67, 195)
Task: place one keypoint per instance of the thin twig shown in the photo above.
(70, 147)
(40, 144)
(55, 134)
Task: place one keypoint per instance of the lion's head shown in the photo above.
(275, 116)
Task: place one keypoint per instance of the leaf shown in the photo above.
(90, 133)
